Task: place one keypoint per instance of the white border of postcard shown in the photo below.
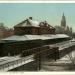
(36, 73)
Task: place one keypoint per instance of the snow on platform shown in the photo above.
(7, 59)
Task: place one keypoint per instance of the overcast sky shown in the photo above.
(13, 13)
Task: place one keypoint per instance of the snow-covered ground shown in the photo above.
(63, 64)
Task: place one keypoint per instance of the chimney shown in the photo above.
(30, 18)
(45, 23)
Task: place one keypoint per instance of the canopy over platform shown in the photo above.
(34, 37)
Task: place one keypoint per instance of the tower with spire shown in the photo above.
(63, 21)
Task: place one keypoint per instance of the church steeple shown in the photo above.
(63, 21)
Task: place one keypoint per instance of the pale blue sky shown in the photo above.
(13, 13)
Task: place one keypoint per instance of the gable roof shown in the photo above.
(28, 23)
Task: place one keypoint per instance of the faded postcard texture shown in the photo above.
(37, 37)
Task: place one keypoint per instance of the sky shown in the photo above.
(13, 13)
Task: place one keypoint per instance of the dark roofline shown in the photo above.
(20, 23)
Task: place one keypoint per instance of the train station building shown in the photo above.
(30, 34)
(31, 27)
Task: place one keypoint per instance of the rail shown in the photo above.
(63, 45)
(16, 63)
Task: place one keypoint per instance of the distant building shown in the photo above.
(63, 28)
(29, 26)
(5, 32)
(63, 21)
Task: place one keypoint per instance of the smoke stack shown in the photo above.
(30, 18)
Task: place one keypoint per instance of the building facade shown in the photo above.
(31, 27)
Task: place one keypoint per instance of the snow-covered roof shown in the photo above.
(19, 38)
(34, 23)
(28, 23)
(57, 36)
(35, 37)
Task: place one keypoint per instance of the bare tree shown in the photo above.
(72, 57)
